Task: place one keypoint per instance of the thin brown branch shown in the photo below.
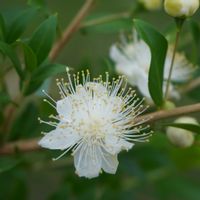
(73, 27)
(32, 144)
(20, 146)
(164, 114)
(191, 85)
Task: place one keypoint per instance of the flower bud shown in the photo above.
(168, 105)
(181, 8)
(151, 4)
(181, 137)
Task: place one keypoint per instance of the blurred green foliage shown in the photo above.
(156, 170)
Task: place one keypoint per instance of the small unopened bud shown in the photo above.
(151, 4)
(181, 137)
(168, 105)
(181, 8)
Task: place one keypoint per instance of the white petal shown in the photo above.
(112, 144)
(117, 56)
(87, 161)
(59, 139)
(109, 163)
(64, 108)
(115, 144)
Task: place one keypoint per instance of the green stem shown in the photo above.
(179, 24)
(106, 19)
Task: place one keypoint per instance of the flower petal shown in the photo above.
(59, 139)
(64, 108)
(115, 144)
(109, 163)
(87, 161)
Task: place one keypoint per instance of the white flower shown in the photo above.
(96, 121)
(181, 137)
(151, 4)
(133, 59)
(181, 8)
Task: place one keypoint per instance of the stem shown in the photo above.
(105, 19)
(72, 28)
(32, 144)
(179, 25)
(172, 64)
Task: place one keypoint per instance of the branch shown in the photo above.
(73, 27)
(164, 114)
(106, 19)
(20, 146)
(32, 144)
(191, 85)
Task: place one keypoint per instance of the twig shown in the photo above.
(191, 85)
(106, 19)
(172, 64)
(164, 114)
(31, 145)
(73, 27)
(20, 146)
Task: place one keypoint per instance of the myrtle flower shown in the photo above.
(132, 58)
(96, 119)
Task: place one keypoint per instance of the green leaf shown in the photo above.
(195, 30)
(189, 127)
(19, 24)
(2, 28)
(43, 38)
(37, 3)
(158, 46)
(8, 51)
(4, 99)
(29, 57)
(7, 164)
(21, 130)
(41, 74)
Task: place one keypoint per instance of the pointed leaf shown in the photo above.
(8, 51)
(41, 74)
(19, 24)
(29, 57)
(2, 28)
(43, 38)
(158, 46)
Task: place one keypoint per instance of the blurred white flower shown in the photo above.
(151, 4)
(132, 58)
(96, 121)
(181, 137)
(181, 8)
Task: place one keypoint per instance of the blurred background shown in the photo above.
(154, 170)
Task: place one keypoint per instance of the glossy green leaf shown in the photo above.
(41, 74)
(43, 38)
(19, 24)
(29, 57)
(158, 46)
(8, 51)
(190, 127)
(2, 28)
